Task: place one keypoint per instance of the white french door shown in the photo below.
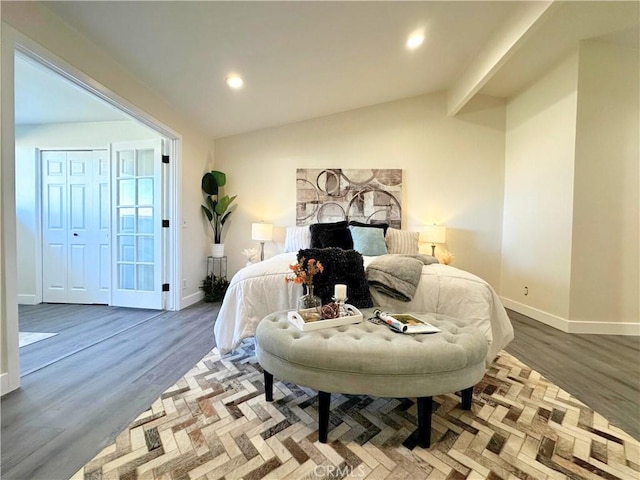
(136, 254)
(75, 226)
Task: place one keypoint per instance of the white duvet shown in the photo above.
(260, 289)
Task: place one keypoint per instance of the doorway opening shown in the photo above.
(96, 196)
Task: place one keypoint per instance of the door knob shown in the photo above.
(75, 234)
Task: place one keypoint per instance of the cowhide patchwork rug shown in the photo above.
(215, 424)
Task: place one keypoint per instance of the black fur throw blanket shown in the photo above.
(340, 266)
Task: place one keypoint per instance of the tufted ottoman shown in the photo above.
(371, 359)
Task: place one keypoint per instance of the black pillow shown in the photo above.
(381, 225)
(337, 234)
(340, 266)
(337, 238)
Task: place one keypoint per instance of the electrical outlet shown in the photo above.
(526, 291)
(184, 283)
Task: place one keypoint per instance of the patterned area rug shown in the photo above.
(215, 424)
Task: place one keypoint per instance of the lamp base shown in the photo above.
(261, 251)
(433, 250)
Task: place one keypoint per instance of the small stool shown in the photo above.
(369, 359)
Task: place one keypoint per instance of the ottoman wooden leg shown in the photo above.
(268, 386)
(467, 394)
(424, 421)
(422, 435)
(324, 401)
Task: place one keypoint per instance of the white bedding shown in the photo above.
(260, 289)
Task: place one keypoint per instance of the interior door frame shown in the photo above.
(172, 146)
(13, 41)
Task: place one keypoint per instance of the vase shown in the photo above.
(310, 300)
(217, 250)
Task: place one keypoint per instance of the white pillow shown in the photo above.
(297, 238)
(401, 241)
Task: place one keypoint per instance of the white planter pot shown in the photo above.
(217, 249)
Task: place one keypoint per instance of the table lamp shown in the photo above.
(262, 232)
(434, 234)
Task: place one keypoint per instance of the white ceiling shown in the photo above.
(307, 59)
(44, 97)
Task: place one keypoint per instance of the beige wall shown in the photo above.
(571, 218)
(453, 171)
(9, 353)
(88, 135)
(606, 240)
(538, 196)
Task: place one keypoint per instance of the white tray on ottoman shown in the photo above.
(297, 318)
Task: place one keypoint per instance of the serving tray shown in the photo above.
(300, 319)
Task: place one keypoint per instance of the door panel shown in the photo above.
(75, 227)
(54, 228)
(137, 226)
(83, 285)
(102, 178)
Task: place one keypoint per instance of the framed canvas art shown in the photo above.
(363, 195)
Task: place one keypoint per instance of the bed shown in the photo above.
(260, 289)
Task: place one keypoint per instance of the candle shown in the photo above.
(340, 291)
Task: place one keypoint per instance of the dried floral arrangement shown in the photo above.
(303, 272)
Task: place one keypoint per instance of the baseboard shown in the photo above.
(573, 326)
(26, 299)
(191, 299)
(554, 321)
(6, 384)
(605, 328)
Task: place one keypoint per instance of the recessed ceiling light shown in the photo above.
(415, 40)
(235, 81)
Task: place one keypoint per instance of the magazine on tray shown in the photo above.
(405, 322)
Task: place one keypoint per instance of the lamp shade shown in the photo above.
(434, 233)
(262, 232)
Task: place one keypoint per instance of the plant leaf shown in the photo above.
(225, 217)
(223, 204)
(219, 177)
(210, 184)
(207, 212)
(212, 204)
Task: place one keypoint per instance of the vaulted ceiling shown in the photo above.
(302, 60)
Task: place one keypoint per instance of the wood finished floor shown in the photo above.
(602, 371)
(77, 327)
(68, 411)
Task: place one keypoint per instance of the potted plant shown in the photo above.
(214, 288)
(216, 209)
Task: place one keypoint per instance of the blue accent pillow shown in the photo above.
(376, 224)
(368, 241)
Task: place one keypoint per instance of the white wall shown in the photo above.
(605, 283)
(538, 195)
(453, 171)
(90, 135)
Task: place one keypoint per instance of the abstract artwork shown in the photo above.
(335, 194)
